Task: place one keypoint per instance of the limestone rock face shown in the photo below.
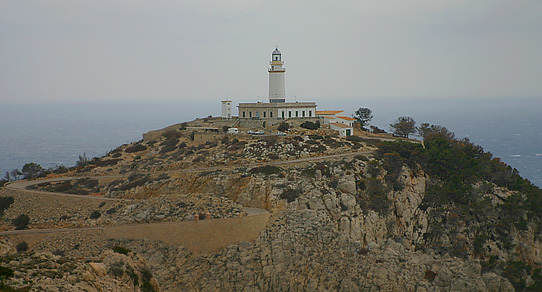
(304, 250)
(49, 272)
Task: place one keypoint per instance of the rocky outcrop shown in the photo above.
(44, 271)
(303, 250)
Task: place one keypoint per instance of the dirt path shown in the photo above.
(204, 236)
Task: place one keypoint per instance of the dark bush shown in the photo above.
(333, 182)
(22, 246)
(5, 273)
(95, 215)
(283, 127)
(198, 158)
(516, 272)
(310, 125)
(393, 165)
(430, 275)
(266, 170)
(310, 172)
(109, 162)
(354, 138)
(121, 249)
(21, 222)
(146, 277)
(87, 183)
(290, 195)
(373, 168)
(377, 130)
(237, 146)
(167, 148)
(170, 142)
(323, 168)
(135, 148)
(62, 187)
(361, 157)
(273, 156)
(5, 203)
(318, 149)
(172, 135)
(315, 137)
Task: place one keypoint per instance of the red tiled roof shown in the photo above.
(328, 112)
(347, 118)
(340, 125)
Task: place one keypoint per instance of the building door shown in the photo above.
(348, 132)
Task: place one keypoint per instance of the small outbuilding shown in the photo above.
(344, 130)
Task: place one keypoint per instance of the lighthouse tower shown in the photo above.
(276, 78)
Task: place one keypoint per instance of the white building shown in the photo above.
(344, 130)
(277, 88)
(226, 109)
(277, 107)
(344, 125)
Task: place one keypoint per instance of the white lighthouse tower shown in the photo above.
(276, 78)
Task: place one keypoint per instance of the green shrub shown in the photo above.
(62, 187)
(373, 168)
(21, 222)
(323, 168)
(146, 277)
(170, 142)
(87, 183)
(5, 203)
(5, 273)
(310, 125)
(354, 138)
(361, 157)
(290, 195)
(517, 272)
(266, 170)
(121, 250)
(430, 275)
(283, 126)
(172, 134)
(95, 215)
(393, 165)
(22, 246)
(315, 137)
(135, 148)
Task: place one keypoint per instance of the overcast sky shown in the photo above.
(210, 49)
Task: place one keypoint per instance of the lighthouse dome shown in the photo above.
(276, 51)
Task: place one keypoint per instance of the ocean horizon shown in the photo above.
(56, 134)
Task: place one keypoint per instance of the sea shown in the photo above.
(53, 134)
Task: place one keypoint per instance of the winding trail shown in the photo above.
(204, 236)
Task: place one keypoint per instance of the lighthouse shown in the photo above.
(276, 78)
(277, 109)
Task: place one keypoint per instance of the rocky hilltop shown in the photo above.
(358, 213)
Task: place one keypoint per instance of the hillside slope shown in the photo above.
(347, 214)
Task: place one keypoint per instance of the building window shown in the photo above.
(250, 114)
(270, 114)
(296, 114)
(243, 114)
(310, 113)
(283, 115)
(303, 113)
(289, 114)
(258, 115)
(264, 114)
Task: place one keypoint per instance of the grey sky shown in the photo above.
(208, 49)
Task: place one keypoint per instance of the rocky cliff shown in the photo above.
(347, 214)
